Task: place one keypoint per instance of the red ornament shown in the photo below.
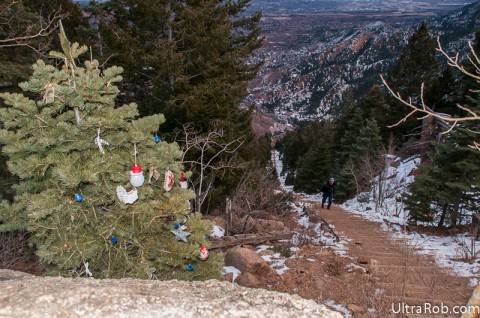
(183, 177)
(136, 169)
(203, 256)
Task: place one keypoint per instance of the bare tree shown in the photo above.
(19, 31)
(446, 120)
(257, 191)
(203, 154)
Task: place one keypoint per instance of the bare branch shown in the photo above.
(427, 111)
(9, 12)
(446, 120)
(454, 62)
(204, 154)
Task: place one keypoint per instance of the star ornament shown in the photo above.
(180, 234)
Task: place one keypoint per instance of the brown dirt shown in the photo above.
(384, 271)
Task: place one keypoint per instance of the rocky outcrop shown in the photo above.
(23, 295)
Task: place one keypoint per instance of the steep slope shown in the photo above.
(311, 60)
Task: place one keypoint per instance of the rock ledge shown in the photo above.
(24, 295)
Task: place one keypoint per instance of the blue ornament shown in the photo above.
(113, 239)
(156, 139)
(176, 225)
(78, 197)
(189, 267)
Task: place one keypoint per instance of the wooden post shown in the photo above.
(228, 217)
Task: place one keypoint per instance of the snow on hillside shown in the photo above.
(392, 216)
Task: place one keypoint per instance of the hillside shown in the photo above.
(312, 59)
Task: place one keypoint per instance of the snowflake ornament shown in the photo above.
(180, 234)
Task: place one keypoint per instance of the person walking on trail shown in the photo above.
(328, 189)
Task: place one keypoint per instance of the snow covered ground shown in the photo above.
(392, 216)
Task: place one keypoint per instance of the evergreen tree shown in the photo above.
(446, 190)
(313, 168)
(447, 185)
(350, 133)
(374, 105)
(416, 65)
(361, 163)
(189, 60)
(315, 165)
(67, 194)
(368, 141)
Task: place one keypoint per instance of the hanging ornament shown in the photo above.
(153, 173)
(113, 239)
(156, 139)
(180, 234)
(189, 267)
(127, 196)
(78, 197)
(136, 174)
(100, 142)
(203, 256)
(49, 95)
(87, 270)
(183, 182)
(176, 225)
(169, 181)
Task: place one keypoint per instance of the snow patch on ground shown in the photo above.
(275, 261)
(232, 269)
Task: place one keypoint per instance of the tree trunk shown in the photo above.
(426, 136)
(444, 213)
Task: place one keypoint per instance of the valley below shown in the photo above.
(312, 58)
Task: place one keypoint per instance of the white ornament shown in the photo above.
(100, 142)
(183, 184)
(136, 176)
(127, 196)
(87, 270)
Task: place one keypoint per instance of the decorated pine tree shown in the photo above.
(98, 191)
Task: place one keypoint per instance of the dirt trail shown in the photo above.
(396, 273)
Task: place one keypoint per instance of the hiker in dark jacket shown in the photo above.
(328, 189)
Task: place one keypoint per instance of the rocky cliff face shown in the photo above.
(24, 295)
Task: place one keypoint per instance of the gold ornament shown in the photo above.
(153, 173)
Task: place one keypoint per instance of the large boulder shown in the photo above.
(247, 261)
(23, 295)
